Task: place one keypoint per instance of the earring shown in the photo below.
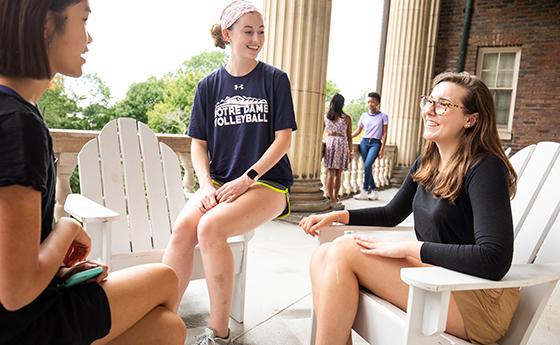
(467, 125)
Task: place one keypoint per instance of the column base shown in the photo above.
(398, 176)
(307, 196)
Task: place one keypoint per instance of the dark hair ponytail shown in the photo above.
(335, 108)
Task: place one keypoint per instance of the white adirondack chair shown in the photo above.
(536, 266)
(131, 193)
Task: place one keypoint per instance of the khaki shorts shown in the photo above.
(486, 313)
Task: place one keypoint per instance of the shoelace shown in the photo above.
(205, 339)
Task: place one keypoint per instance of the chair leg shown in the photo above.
(313, 327)
(238, 298)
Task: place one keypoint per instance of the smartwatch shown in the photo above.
(252, 174)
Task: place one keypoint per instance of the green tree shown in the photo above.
(330, 91)
(206, 62)
(166, 118)
(95, 116)
(88, 89)
(172, 114)
(355, 108)
(140, 99)
(59, 109)
(77, 103)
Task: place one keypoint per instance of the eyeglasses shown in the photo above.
(440, 105)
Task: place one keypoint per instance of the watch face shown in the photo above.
(252, 174)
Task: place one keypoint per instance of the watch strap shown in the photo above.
(252, 174)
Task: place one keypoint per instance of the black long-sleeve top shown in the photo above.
(474, 236)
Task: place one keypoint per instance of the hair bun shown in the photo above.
(216, 32)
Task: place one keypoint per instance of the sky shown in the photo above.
(136, 39)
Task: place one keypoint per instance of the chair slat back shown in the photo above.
(549, 251)
(537, 200)
(521, 158)
(112, 179)
(90, 170)
(160, 226)
(134, 184)
(538, 231)
(173, 185)
(124, 170)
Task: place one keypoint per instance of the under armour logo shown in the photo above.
(238, 87)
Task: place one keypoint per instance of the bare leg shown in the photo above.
(141, 299)
(180, 249)
(336, 184)
(225, 220)
(345, 268)
(160, 326)
(316, 269)
(330, 185)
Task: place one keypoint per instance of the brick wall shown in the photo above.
(532, 25)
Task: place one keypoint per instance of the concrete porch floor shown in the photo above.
(278, 292)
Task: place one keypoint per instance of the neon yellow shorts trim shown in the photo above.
(275, 186)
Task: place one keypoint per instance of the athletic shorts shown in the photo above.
(275, 186)
(76, 315)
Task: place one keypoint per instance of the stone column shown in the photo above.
(409, 60)
(297, 42)
(66, 163)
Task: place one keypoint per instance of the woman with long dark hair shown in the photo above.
(338, 146)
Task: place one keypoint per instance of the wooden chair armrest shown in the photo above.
(399, 232)
(88, 211)
(441, 279)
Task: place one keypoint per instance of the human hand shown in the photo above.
(233, 189)
(390, 249)
(314, 222)
(66, 272)
(381, 153)
(81, 244)
(207, 198)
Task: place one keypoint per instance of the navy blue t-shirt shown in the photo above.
(238, 118)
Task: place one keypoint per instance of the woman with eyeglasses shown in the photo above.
(459, 190)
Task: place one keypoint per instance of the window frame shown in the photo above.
(503, 131)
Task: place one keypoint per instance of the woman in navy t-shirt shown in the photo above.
(241, 126)
(38, 39)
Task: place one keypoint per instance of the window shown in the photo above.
(499, 69)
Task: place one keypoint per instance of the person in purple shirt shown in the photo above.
(372, 144)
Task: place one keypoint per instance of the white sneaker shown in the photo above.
(363, 195)
(373, 195)
(209, 338)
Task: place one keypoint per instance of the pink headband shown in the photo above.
(234, 11)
